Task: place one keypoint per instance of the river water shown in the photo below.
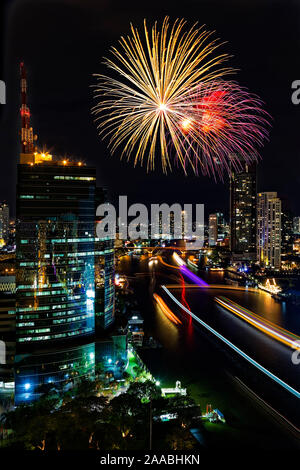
(211, 372)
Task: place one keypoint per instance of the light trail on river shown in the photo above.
(256, 364)
(267, 327)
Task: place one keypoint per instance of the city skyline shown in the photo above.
(142, 311)
(71, 100)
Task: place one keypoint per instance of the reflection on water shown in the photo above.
(201, 301)
(196, 357)
(284, 314)
(267, 351)
(213, 277)
(33, 373)
(262, 303)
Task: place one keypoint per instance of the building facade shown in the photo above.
(216, 222)
(7, 323)
(60, 368)
(4, 222)
(243, 212)
(55, 252)
(269, 230)
(105, 283)
(62, 268)
(64, 275)
(104, 274)
(287, 232)
(296, 225)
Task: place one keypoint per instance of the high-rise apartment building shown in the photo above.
(243, 212)
(171, 225)
(212, 229)
(269, 230)
(216, 221)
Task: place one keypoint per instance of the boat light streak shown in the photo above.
(235, 348)
(178, 260)
(197, 280)
(165, 309)
(280, 334)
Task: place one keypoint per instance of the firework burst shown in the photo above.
(158, 103)
(225, 127)
(143, 112)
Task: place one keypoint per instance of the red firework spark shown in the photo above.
(225, 127)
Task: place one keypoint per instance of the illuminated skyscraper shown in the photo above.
(168, 228)
(104, 276)
(269, 230)
(55, 252)
(57, 256)
(287, 232)
(4, 221)
(212, 229)
(57, 248)
(215, 222)
(62, 272)
(243, 212)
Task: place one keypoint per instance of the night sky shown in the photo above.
(62, 43)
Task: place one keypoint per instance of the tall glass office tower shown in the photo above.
(62, 270)
(55, 252)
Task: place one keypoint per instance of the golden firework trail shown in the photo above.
(144, 107)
